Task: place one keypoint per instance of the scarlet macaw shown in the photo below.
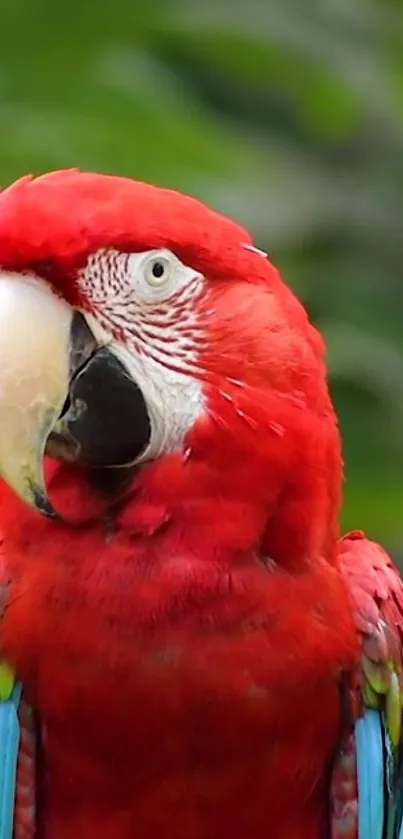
(204, 657)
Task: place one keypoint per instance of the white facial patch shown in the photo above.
(143, 306)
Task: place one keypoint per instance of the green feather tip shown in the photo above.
(393, 709)
(7, 680)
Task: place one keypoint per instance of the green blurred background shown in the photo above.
(286, 114)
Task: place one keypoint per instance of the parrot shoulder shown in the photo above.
(376, 591)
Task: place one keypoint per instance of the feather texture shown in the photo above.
(373, 794)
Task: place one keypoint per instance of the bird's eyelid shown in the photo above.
(253, 249)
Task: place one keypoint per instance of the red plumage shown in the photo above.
(187, 664)
(178, 686)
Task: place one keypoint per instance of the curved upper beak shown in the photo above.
(34, 379)
(60, 391)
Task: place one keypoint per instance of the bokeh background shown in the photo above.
(286, 114)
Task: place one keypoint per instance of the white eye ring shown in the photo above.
(157, 271)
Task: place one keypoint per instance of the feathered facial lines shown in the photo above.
(162, 310)
(159, 312)
(164, 317)
(148, 301)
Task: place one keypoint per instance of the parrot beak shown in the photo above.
(34, 375)
(60, 392)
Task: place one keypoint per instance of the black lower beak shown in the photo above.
(104, 422)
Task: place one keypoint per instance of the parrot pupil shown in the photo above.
(158, 270)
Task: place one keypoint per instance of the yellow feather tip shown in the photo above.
(7, 679)
(393, 710)
(370, 697)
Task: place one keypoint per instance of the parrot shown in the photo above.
(200, 651)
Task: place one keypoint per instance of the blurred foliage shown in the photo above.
(286, 114)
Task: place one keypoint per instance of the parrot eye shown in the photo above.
(111, 279)
(157, 271)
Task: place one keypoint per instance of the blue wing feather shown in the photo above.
(9, 743)
(370, 761)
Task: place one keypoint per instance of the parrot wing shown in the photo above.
(18, 747)
(367, 781)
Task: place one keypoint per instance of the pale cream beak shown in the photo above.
(34, 380)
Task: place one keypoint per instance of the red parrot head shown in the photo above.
(140, 329)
